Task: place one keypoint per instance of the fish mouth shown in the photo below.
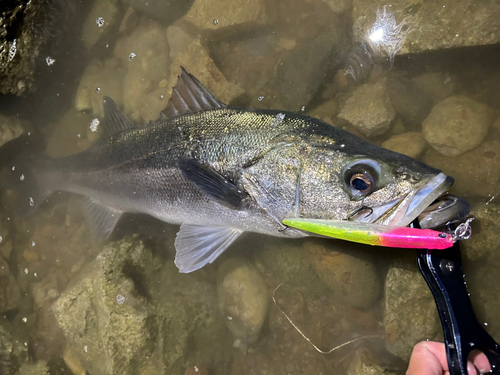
(402, 212)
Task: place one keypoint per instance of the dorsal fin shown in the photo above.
(189, 96)
(114, 120)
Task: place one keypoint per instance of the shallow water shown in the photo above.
(74, 305)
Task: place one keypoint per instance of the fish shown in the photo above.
(219, 171)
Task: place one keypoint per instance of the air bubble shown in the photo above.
(215, 22)
(22, 177)
(50, 61)
(26, 271)
(260, 98)
(131, 56)
(94, 124)
(32, 202)
(120, 299)
(98, 89)
(24, 319)
(85, 348)
(32, 243)
(99, 22)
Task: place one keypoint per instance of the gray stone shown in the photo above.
(411, 104)
(38, 368)
(10, 128)
(415, 26)
(243, 300)
(163, 11)
(190, 52)
(456, 125)
(213, 14)
(369, 109)
(438, 85)
(339, 6)
(28, 29)
(145, 56)
(302, 69)
(10, 293)
(411, 143)
(103, 16)
(125, 313)
(99, 80)
(472, 170)
(485, 239)
(348, 272)
(365, 363)
(410, 313)
(13, 352)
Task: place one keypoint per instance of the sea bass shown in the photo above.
(219, 171)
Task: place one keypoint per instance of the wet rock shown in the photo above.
(29, 31)
(99, 80)
(213, 14)
(485, 239)
(411, 143)
(103, 16)
(71, 134)
(471, 170)
(438, 86)
(286, 262)
(127, 313)
(10, 128)
(301, 71)
(456, 125)
(365, 363)
(339, 6)
(144, 54)
(411, 104)
(350, 274)
(433, 26)
(163, 11)
(243, 300)
(10, 294)
(369, 109)
(189, 52)
(38, 368)
(104, 306)
(12, 350)
(410, 313)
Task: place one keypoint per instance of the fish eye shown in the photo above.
(361, 178)
(361, 182)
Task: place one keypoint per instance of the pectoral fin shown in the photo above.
(213, 185)
(102, 219)
(198, 245)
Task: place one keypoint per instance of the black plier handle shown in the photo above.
(442, 270)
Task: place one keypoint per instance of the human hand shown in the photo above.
(429, 358)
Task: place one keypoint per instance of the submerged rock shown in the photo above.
(410, 27)
(189, 52)
(12, 350)
(365, 363)
(243, 300)
(163, 11)
(10, 128)
(369, 109)
(103, 16)
(125, 314)
(38, 368)
(438, 85)
(410, 313)
(456, 125)
(485, 237)
(472, 170)
(214, 14)
(10, 293)
(350, 274)
(411, 143)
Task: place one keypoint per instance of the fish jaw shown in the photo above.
(403, 211)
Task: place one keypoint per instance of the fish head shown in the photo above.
(368, 184)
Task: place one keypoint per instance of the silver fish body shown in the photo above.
(222, 171)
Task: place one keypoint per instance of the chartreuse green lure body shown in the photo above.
(374, 234)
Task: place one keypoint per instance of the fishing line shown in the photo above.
(307, 338)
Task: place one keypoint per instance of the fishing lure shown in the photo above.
(381, 235)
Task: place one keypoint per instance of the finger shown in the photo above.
(480, 361)
(428, 358)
